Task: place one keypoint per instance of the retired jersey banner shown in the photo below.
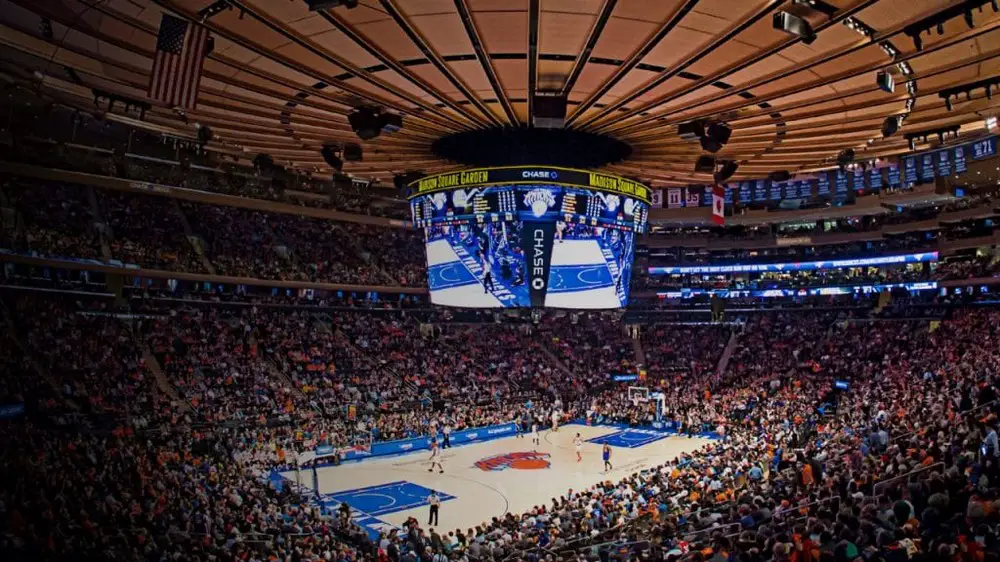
(657, 198)
(675, 198)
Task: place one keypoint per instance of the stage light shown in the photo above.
(794, 25)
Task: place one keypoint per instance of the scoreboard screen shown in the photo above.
(553, 238)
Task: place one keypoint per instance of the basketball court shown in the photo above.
(488, 479)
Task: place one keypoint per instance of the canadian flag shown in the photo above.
(718, 205)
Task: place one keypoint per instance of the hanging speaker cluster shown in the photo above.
(713, 135)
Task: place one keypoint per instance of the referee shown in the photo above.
(435, 502)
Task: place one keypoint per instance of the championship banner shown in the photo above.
(536, 242)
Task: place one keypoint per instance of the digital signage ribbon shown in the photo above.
(800, 266)
(599, 181)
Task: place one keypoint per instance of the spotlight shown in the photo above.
(214, 9)
(794, 25)
(885, 82)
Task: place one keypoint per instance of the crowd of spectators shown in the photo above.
(52, 220)
(801, 468)
(148, 231)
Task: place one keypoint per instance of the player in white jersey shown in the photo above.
(534, 433)
(435, 457)
(555, 420)
(578, 445)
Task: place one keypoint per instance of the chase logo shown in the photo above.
(539, 174)
(519, 461)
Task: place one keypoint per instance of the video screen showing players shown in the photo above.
(591, 267)
(537, 238)
(477, 265)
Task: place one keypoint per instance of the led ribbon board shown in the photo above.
(547, 175)
(797, 266)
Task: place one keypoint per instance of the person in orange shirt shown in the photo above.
(807, 475)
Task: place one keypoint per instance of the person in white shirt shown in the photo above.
(487, 275)
(578, 445)
(434, 501)
(534, 433)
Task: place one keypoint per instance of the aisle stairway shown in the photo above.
(162, 382)
(196, 241)
(640, 354)
(727, 354)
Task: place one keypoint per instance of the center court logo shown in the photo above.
(519, 461)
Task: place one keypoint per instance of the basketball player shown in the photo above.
(560, 227)
(606, 454)
(555, 420)
(435, 457)
(578, 445)
(534, 433)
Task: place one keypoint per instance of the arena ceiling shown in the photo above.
(282, 79)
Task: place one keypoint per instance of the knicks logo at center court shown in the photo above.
(520, 461)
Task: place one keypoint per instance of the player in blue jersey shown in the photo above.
(606, 455)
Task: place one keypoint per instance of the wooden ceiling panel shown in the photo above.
(283, 79)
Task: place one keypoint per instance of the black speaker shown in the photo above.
(353, 152)
(549, 110)
(692, 130)
(365, 123)
(390, 122)
(330, 156)
(705, 164)
(890, 126)
(726, 171)
(779, 175)
(710, 145)
(719, 132)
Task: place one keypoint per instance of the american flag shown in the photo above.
(180, 53)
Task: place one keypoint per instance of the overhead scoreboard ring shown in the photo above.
(515, 231)
(527, 175)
